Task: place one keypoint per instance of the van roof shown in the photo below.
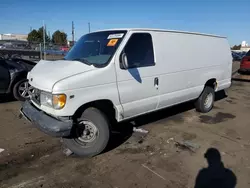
(162, 30)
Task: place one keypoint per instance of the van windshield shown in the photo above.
(96, 48)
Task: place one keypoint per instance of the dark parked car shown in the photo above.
(13, 73)
(245, 63)
(236, 56)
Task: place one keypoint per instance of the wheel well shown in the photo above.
(17, 78)
(211, 83)
(20, 76)
(106, 106)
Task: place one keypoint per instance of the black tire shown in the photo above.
(16, 92)
(200, 103)
(95, 147)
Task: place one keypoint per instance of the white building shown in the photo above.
(244, 46)
(13, 37)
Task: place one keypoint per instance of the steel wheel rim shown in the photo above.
(25, 89)
(208, 101)
(86, 133)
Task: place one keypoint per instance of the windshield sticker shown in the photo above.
(112, 42)
(117, 36)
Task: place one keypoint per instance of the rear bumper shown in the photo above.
(44, 122)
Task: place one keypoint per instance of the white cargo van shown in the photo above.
(120, 74)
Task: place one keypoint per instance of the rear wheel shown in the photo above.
(90, 135)
(22, 90)
(206, 100)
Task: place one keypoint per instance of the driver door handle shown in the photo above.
(156, 82)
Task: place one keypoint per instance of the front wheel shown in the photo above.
(90, 135)
(22, 90)
(206, 100)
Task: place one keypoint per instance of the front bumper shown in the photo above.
(44, 122)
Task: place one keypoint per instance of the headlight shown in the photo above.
(56, 101)
(46, 99)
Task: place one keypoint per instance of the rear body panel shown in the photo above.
(245, 63)
(11, 71)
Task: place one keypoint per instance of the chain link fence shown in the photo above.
(32, 50)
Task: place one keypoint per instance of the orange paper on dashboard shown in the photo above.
(112, 42)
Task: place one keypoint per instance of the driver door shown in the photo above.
(4, 77)
(138, 84)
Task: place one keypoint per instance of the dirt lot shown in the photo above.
(32, 159)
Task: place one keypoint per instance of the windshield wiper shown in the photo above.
(85, 61)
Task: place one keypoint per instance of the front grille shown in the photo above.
(35, 97)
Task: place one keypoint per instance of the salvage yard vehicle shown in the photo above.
(245, 63)
(115, 75)
(236, 56)
(13, 77)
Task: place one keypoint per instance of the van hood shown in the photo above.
(46, 73)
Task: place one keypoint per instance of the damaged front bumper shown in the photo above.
(44, 122)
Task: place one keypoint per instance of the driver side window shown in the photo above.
(139, 50)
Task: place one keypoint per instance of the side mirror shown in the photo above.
(123, 61)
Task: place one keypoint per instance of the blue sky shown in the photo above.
(223, 17)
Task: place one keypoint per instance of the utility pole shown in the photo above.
(49, 34)
(73, 34)
(44, 41)
(89, 27)
(30, 29)
(41, 51)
